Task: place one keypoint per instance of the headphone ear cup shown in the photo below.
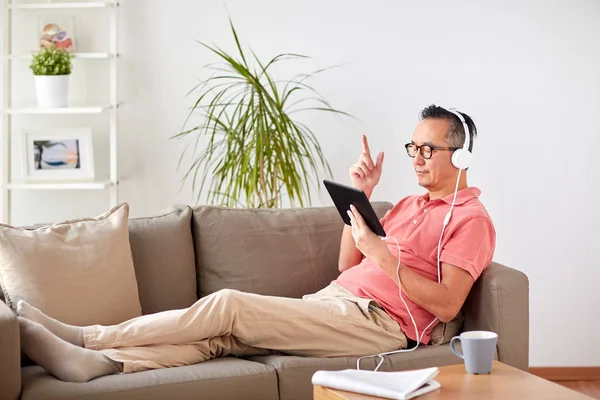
(461, 158)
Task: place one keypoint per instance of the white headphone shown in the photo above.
(461, 158)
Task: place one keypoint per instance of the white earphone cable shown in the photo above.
(439, 274)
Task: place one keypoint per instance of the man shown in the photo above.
(360, 313)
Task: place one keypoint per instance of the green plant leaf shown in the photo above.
(255, 154)
(51, 61)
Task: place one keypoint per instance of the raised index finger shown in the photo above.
(365, 144)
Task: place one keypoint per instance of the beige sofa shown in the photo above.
(188, 253)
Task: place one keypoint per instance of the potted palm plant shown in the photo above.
(256, 154)
(51, 68)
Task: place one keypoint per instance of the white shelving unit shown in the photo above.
(9, 9)
(63, 186)
(61, 5)
(84, 56)
(66, 110)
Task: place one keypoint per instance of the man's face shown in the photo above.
(436, 173)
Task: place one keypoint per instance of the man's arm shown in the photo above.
(444, 300)
(461, 262)
(364, 175)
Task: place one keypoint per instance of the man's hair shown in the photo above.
(455, 137)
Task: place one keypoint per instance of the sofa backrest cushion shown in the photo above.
(163, 257)
(278, 252)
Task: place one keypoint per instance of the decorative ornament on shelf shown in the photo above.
(52, 68)
(58, 32)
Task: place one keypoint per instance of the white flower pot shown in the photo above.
(52, 90)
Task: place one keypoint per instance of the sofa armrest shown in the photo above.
(499, 302)
(10, 354)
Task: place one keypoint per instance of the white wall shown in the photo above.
(528, 73)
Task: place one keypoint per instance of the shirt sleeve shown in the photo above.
(471, 246)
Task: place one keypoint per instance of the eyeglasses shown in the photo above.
(426, 150)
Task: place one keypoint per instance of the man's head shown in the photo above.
(440, 132)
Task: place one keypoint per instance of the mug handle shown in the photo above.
(458, 353)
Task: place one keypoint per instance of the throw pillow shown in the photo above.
(79, 272)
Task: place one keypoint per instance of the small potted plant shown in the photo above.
(51, 67)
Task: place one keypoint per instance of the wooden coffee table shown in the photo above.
(505, 382)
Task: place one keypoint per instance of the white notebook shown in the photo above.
(401, 385)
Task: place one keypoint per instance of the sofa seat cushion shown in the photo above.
(219, 379)
(278, 252)
(295, 373)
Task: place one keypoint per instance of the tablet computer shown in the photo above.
(343, 196)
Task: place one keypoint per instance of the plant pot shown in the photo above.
(52, 90)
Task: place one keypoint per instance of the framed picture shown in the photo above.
(59, 32)
(59, 155)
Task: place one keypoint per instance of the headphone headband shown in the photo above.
(467, 143)
(461, 158)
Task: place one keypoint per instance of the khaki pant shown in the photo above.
(329, 323)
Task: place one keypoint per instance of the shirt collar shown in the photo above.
(462, 196)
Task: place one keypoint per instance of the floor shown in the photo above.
(591, 388)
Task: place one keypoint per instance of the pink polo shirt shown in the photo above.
(416, 222)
